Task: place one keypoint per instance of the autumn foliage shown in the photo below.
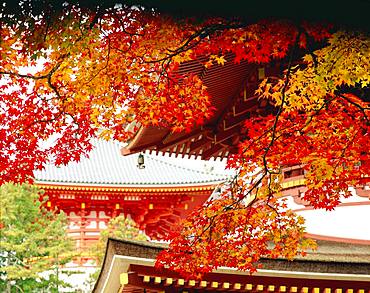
(320, 125)
(104, 73)
(91, 74)
(226, 232)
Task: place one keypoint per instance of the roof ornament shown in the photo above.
(140, 161)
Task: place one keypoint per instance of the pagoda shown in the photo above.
(156, 193)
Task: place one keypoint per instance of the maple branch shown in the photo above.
(273, 128)
(163, 73)
(342, 155)
(104, 67)
(213, 218)
(98, 14)
(249, 192)
(206, 32)
(310, 117)
(208, 227)
(274, 137)
(233, 205)
(202, 34)
(280, 109)
(58, 115)
(34, 77)
(24, 75)
(48, 22)
(310, 41)
(362, 109)
(51, 85)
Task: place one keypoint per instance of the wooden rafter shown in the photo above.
(212, 152)
(150, 278)
(168, 144)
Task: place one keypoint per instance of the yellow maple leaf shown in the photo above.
(220, 60)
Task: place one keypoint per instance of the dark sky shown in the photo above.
(351, 13)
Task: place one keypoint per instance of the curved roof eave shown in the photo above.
(106, 167)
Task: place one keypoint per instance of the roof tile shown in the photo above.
(106, 166)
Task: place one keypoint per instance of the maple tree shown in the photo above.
(97, 72)
(87, 73)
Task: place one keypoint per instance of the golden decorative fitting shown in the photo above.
(181, 282)
(123, 278)
(282, 289)
(146, 279)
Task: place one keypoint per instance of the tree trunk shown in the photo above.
(8, 287)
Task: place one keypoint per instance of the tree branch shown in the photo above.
(362, 109)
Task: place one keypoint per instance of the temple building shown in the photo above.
(156, 192)
(232, 91)
(335, 267)
(341, 263)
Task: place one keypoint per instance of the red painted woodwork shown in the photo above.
(232, 90)
(250, 283)
(154, 209)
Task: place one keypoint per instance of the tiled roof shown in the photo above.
(106, 166)
(334, 265)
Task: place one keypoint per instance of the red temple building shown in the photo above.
(232, 90)
(107, 184)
